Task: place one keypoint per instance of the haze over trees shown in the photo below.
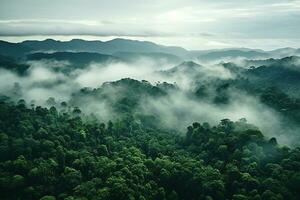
(135, 120)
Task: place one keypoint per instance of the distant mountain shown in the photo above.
(77, 60)
(284, 52)
(11, 64)
(188, 67)
(202, 52)
(185, 72)
(291, 62)
(240, 66)
(13, 49)
(159, 58)
(109, 47)
(246, 53)
(231, 53)
(130, 49)
(257, 63)
(282, 73)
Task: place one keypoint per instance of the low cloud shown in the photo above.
(176, 110)
(48, 27)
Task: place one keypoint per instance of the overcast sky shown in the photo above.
(192, 24)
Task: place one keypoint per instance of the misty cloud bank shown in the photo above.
(193, 24)
(176, 110)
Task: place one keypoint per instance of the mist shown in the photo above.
(179, 110)
(176, 110)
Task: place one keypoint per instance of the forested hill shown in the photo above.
(56, 154)
(118, 120)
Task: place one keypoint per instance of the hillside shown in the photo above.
(48, 154)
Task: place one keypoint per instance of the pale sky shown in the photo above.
(192, 24)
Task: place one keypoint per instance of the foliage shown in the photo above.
(51, 154)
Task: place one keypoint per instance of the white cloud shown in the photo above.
(227, 22)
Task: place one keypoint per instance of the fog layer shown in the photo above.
(176, 110)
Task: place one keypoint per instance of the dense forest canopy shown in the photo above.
(135, 120)
(49, 154)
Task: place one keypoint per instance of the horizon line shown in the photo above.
(132, 39)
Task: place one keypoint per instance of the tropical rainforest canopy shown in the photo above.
(207, 131)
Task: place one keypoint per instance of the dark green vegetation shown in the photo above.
(76, 60)
(9, 63)
(160, 58)
(51, 154)
(276, 84)
(131, 139)
(280, 73)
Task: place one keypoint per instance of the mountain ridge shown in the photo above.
(116, 45)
